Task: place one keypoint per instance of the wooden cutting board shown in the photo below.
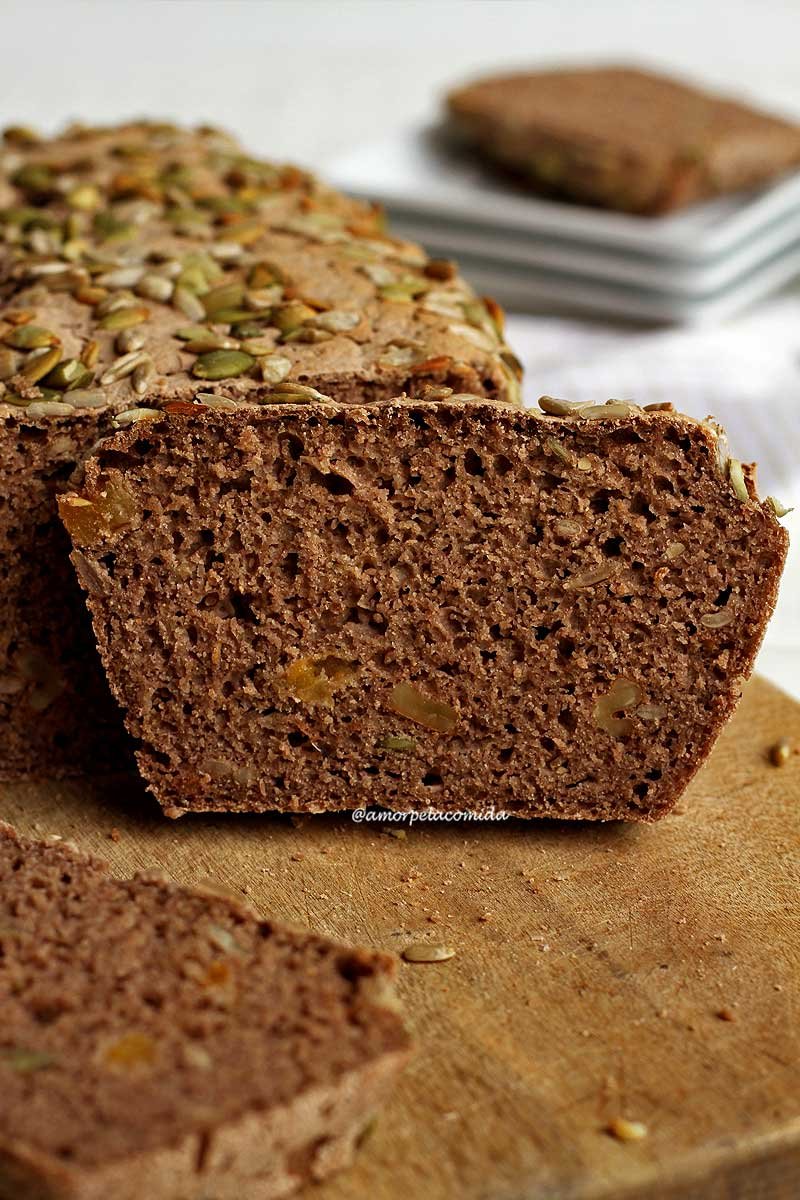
(595, 968)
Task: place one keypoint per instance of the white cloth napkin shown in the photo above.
(746, 373)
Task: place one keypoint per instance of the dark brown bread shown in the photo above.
(141, 265)
(457, 605)
(623, 138)
(166, 1044)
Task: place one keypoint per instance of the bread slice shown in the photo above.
(622, 138)
(143, 264)
(457, 605)
(164, 1043)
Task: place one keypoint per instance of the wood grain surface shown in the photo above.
(612, 971)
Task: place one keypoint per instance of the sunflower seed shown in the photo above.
(336, 321)
(188, 303)
(222, 364)
(81, 398)
(142, 375)
(612, 409)
(43, 269)
(378, 273)
(49, 408)
(155, 287)
(296, 391)
(122, 277)
(716, 620)
(674, 549)
(275, 368)
(263, 298)
(477, 337)
(588, 578)
(226, 251)
(122, 367)
(222, 403)
(651, 712)
(426, 952)
(128, 340)
(258, 347)
(131, 416)
(568, 527)
(113, 301)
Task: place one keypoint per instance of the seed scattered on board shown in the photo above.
(626, 1131)
(425, 952)
(780, 753)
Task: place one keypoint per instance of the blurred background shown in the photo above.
(342, 85)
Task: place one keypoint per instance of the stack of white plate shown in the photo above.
(703, 264)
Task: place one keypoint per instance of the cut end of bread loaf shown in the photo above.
(454, 605)
(162, 1042)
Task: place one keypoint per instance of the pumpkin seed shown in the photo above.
(30, 337)
(40, 363)
(222, 364)
(71, 373)
(399, 743)
(226, 296)
(779, 509)
(124, 318)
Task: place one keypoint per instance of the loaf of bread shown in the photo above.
(158, 1043)
(144, 264)
(622, 138)
(453, 604)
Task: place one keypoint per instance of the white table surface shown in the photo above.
(308, 79)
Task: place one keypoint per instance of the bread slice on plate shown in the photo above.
(622, 138)
(165, 1043)
(456, 604)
